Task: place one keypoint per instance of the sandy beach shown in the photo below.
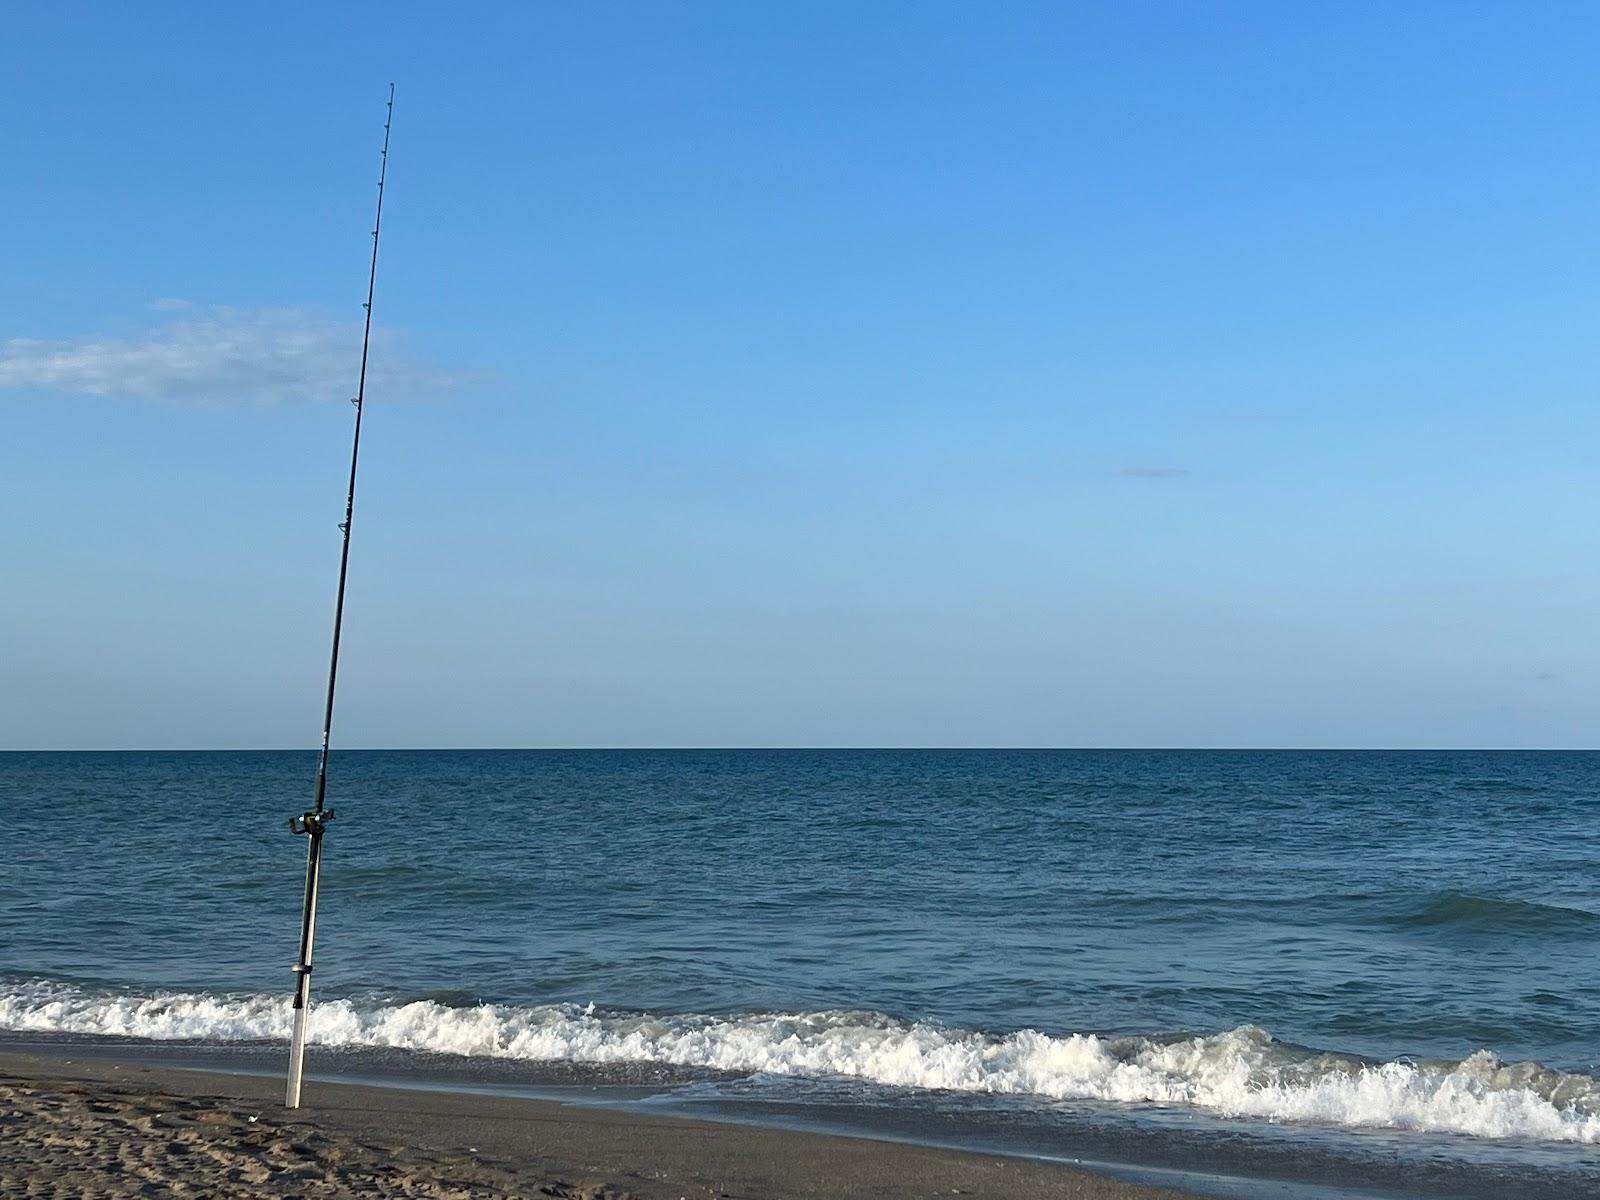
(110, 1130)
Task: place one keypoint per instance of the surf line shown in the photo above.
(313, 822)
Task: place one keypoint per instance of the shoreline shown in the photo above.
(125, 1129)
(545, 1137)
(756, 1152)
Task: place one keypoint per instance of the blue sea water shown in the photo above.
(1374, 957)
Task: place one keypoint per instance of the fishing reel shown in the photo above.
(312, 822)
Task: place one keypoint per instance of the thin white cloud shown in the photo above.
(227, 355)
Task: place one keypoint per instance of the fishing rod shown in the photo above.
(314, 822)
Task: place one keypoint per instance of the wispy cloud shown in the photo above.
(1153, 472)
(223, 355)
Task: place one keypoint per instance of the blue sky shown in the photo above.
(893, 374)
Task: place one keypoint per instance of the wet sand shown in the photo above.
(73, 1128)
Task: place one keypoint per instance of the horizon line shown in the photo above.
(631, 749)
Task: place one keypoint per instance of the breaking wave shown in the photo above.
(1241, 1072)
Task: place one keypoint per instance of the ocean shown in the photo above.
(1369, 972)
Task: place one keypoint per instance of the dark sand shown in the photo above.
(81, 1129)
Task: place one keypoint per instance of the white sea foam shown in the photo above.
(1242, 1072)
